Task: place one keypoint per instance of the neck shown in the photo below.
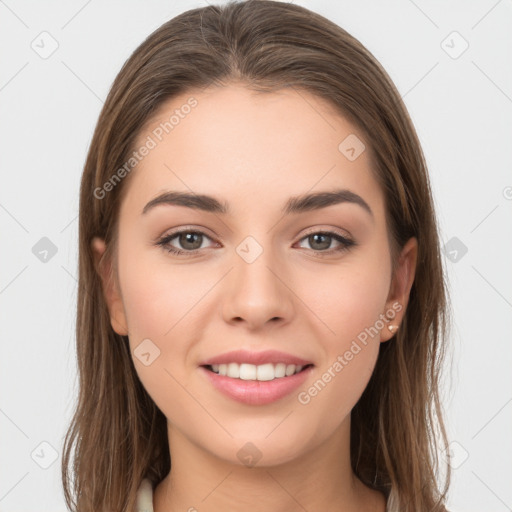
(321, 479)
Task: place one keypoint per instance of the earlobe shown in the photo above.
(400, 288)
(111, 292)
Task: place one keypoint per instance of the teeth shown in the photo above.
(262, 372)
(234, 371)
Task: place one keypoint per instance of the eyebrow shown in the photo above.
(295, 204)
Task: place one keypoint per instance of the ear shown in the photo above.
(401, 284)
(110, 287)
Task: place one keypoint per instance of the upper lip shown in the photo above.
(255, 358)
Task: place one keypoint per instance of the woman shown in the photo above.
(262, 311)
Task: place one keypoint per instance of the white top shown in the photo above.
(144, 501)
(145, 498)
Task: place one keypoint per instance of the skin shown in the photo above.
(255, 151)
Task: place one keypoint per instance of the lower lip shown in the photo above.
(256, 392)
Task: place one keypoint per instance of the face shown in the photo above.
(313, 282)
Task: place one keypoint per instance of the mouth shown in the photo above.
(256, 377)
(263, 372)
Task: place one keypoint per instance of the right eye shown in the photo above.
(191, 241)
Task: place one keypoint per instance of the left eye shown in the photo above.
(322, 240)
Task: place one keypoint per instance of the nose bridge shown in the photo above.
(257, 292)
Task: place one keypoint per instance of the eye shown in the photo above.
(189, 241)
(320, 242)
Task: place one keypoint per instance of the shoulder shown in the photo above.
(144, 501)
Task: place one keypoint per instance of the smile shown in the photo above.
(252, 390)
(263, 372)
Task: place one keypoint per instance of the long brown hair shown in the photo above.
(118, 434)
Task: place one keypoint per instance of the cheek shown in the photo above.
(348, 298)
(163, 304)
(157, 296)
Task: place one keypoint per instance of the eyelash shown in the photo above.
(346, 243)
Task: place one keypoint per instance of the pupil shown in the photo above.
(325, 245)
(189, 238)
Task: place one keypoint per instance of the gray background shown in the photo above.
(461, 103)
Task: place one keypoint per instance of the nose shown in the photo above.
(258, 293)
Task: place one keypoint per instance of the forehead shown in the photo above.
(251, 148)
